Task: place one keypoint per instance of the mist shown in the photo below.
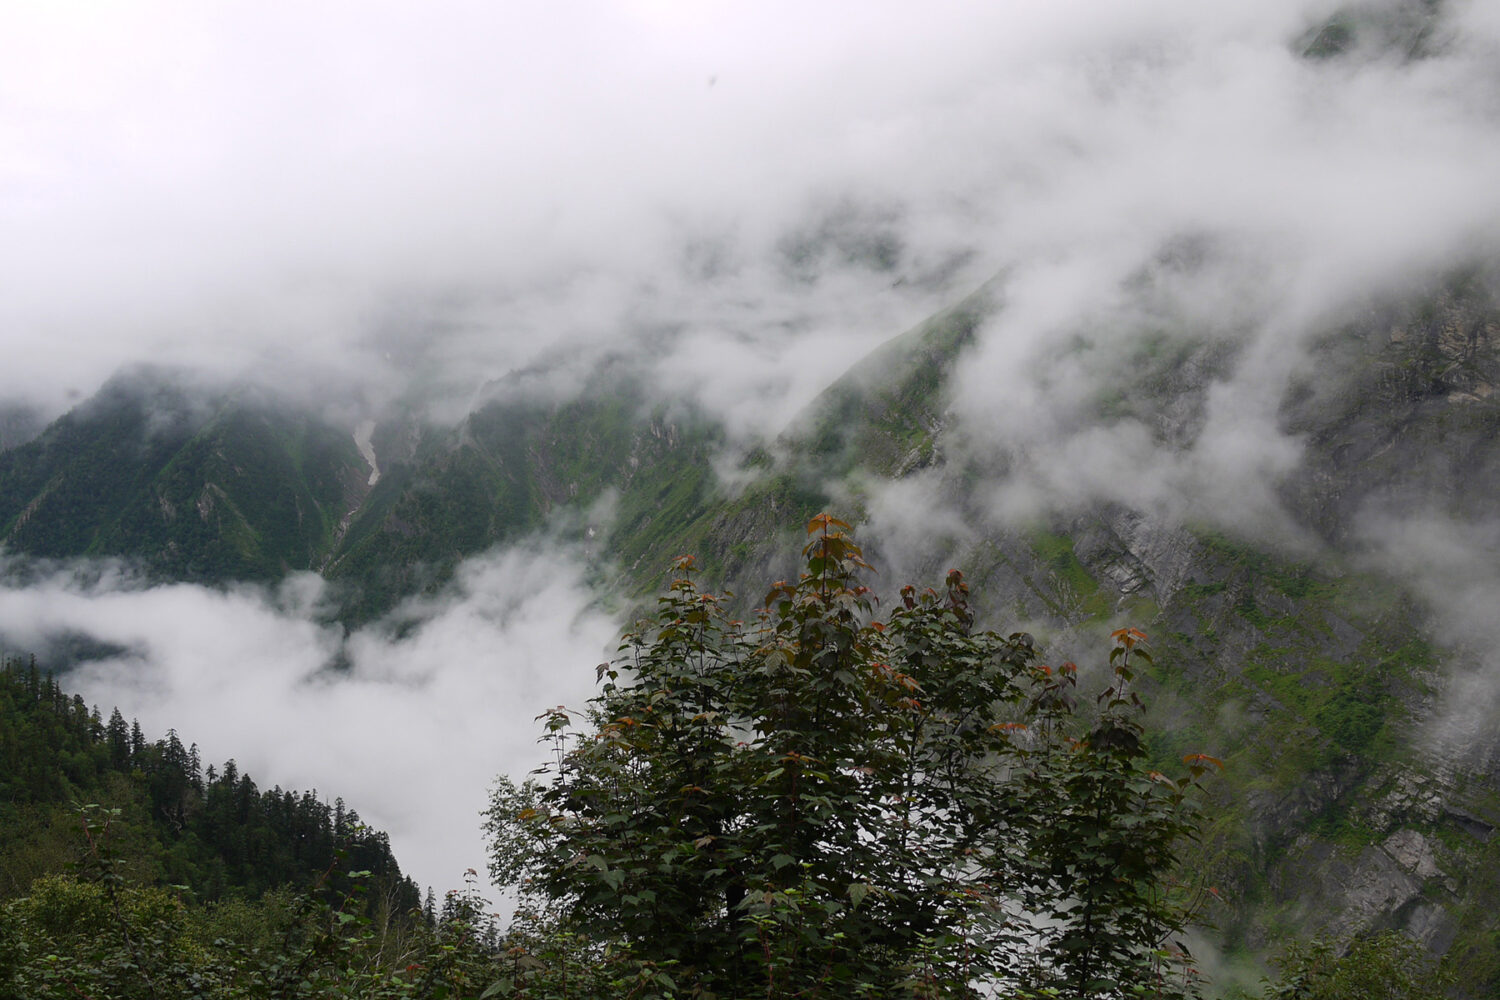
(756, 193)
(356, 204)
(408, 729)
(1449, 565)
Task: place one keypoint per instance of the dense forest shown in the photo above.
(210, 830)
(821, 804)
(128, 869)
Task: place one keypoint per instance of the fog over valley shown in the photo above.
(1166, 217)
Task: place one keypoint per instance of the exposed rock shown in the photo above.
(1345, 639)
(1413, 796)
(1430, 924)
(1152, 555)
(1345, 896)
(1412, 852)
(1310, 797)
(1375, 888)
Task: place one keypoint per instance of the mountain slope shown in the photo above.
(197, 484)
(1317, 673)
(1295, 647)
(609, 460)
(1300, 656)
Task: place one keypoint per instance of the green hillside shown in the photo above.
(177, 822)
(196, 484)
(1313, 672)
(1314, 675)
(518, 465)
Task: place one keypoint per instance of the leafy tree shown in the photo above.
(1387, 966)
(826, 804)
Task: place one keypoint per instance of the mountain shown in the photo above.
(198, 483)
(519, 461)
(1299, 651)
(1320, 674)
(213, 484)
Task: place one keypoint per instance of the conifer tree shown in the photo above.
(118, 735)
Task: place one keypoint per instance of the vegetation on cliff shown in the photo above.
(828, 801)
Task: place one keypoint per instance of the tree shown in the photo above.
(118, 735)
(96, 934)
(827, 804)
(1386, 966)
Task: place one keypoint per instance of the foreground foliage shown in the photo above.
(95, 934)
(1386, 966)
(827, 804)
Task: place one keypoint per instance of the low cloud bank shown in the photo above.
(410, 733)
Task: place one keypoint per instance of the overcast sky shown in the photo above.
(342, 195)
(246, 187)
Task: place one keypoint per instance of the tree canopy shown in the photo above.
(211, 830)
(827, 802)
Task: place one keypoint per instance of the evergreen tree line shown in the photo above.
(209, 829)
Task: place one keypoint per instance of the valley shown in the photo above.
(1291, 645)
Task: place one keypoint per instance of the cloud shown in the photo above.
(237, 188)
(410, 734)
(1211, 189)
(357, 196)
(1449, 565)
(743, 198)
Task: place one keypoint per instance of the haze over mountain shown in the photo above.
(618, 276)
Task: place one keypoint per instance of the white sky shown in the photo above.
(343, 194)
(252, 186)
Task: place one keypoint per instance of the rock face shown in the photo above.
(1316, 669)
(1323, 681)
(1344, 891)
(1413, 426)
(1413, 853)
(1138, 555)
